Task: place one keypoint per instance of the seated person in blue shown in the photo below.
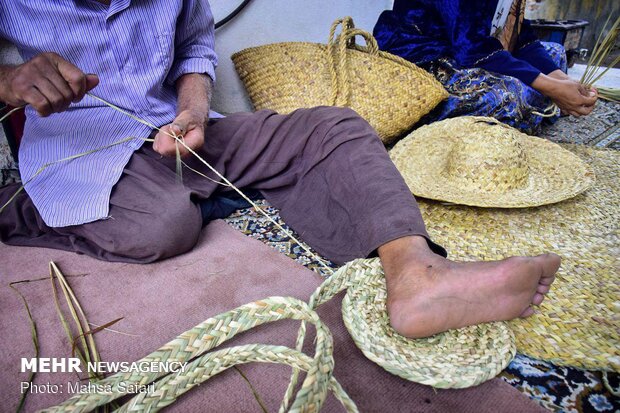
(488, 58)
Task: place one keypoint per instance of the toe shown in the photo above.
(550, 264)
(538, 299)
(543, 289)
(528, 312)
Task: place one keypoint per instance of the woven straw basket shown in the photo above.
(391, 93)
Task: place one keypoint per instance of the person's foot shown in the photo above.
(428, 294)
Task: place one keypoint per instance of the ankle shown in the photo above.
(407, 253)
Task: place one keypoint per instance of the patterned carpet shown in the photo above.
(558, 389)
(600, 129)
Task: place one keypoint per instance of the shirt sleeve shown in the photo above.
(194, 42)
(473, 46)
(530, 49)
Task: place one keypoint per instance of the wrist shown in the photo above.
(6, 95)
(194, 115)
(558, 74)
(545, 84)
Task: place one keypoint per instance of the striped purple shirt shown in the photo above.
(138, 49)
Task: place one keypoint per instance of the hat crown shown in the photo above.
(493, 161)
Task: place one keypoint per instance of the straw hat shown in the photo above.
(480, 161)
(578, 323)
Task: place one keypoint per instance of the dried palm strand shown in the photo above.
(604, 45)
(35, 342)
(9, 113)
(88, 351)
(68, 158)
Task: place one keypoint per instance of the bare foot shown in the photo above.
(428, 294)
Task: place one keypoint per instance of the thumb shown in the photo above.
(180, 126)
(177, 130)
(92, 80)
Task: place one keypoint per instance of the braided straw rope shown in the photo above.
(212, 333)
(203, 368)
(457, 358)
(287, 76)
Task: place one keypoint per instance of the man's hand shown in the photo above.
(571, 96)
(194, 94)
(47, 82)
(188, 125)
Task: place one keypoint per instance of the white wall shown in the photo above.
(271, 21)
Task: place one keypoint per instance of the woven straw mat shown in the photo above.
(454, 359)
(479, 161)
(578, 323)
(389, 92)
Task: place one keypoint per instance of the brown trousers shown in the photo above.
(324, 168)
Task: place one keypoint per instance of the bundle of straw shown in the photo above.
(594, 69)
(609, 93)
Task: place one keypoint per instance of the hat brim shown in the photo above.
(555, 174)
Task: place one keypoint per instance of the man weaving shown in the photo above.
(324, 168)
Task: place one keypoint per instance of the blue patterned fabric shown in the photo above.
(477, 92)
(423, 31)
(452, 39)
(562, 389)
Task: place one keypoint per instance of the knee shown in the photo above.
(336, 115)
(174, 229)
(340, 124)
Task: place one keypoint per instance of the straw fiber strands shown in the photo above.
(578, 323)
(287, 76)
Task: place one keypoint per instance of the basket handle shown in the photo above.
(338, 58)
(347, 24)
(347, 39)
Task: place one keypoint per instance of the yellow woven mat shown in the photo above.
(579, 322)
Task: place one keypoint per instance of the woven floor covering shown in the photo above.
(600, 129)
(578, 323)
